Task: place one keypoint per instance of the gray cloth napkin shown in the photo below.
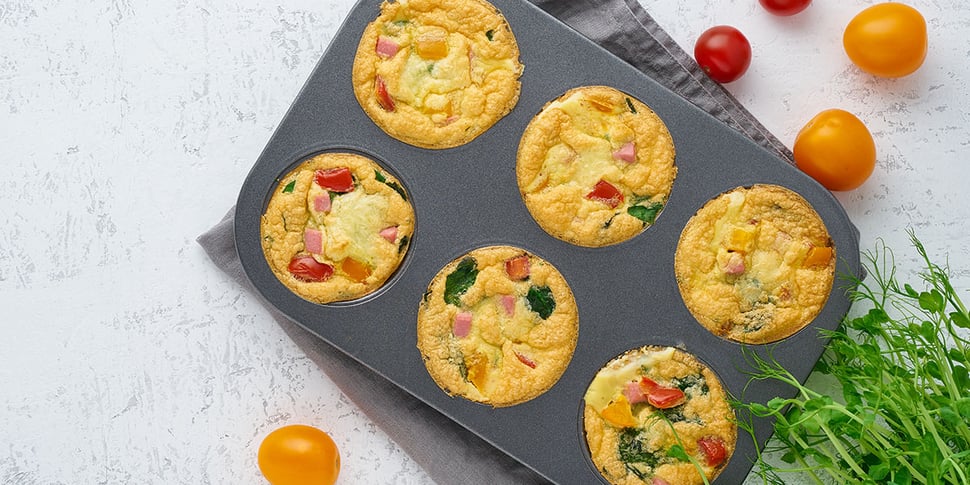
(448, 452)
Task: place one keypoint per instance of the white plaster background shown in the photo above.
(126, 129)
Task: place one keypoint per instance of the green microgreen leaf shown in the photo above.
(902, 406)
(960, 319)
(489, 34)
(677, 452)
(931, 301)
(289, 187)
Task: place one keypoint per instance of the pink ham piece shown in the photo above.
(634, 393)
(389, 233)
(660, 481)
(462, 325)
(627, 153)
(321, 203)
(313, 240)
(508, 304)
(734, 265)
(386, 48)
(447, 121)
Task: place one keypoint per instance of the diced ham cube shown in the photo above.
(321, 203)
(462, 325)
(634, 393)
(508, 304)
(313, 240)
(389, 233)
(659, 481)
(386, 48)
(734, 265)
(626, 153)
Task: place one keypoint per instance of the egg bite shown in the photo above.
(755, 264)
(497, 326)
(595, 167)
(437, 73)
(336, 227)
(658, 415)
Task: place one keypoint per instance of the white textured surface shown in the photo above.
(127, 128)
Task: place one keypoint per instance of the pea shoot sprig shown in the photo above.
(902, 416)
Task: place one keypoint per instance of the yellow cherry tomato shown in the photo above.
(836, 149)
(886, 39)
(299, 455)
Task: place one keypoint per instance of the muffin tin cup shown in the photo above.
(467, 197)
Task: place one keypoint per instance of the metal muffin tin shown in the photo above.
(466, 197)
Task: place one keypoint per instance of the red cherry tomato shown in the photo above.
(606, 193)
(723, 52)
(299, 455)
(713, 449)
(659, 396)
(383, 98)
(785, 8)
(525, 360)
(305, 268)
(335, 179)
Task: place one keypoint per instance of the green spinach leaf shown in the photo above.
(541, 300)
(460, 280)
(394, 185)
(647, 213)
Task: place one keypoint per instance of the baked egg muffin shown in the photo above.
(656, 415)
(437, 73)
(755, 264)
(336, 227)
(497, 326)
(595, 167)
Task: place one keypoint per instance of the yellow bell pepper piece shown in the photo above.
(619, 413)
(817, 256)
(740, 238)
(477, 365)
(433, 44)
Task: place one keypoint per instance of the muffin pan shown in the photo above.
(467, 197)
